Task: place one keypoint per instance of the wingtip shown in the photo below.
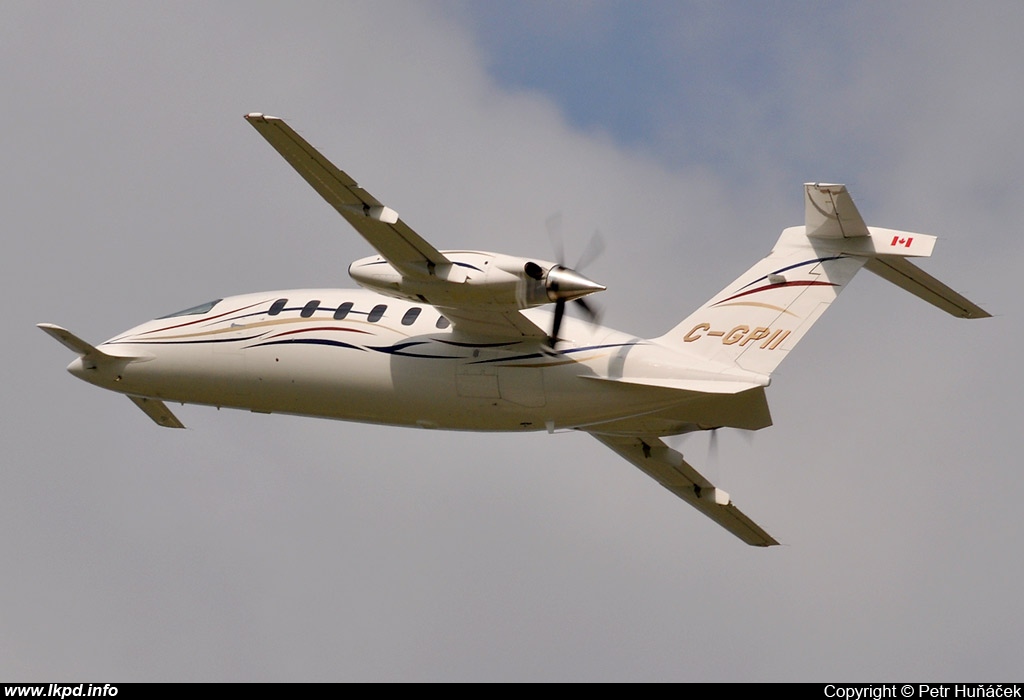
(68, 339)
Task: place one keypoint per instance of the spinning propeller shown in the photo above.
(567, 284)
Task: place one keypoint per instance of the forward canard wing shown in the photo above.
(93, 360)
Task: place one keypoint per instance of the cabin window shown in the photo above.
(411, 315)
(342, 311)
(377, 313)
(442, 322)
(310, 308)
(277, 307)
(195, 310)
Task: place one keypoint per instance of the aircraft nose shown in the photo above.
(77, 367)
(85, 368)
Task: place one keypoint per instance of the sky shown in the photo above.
(273, 548)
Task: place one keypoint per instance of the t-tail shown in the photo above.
(759, 318)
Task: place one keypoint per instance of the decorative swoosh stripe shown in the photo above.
(779, 285)
(205, 319)
(337, 329)
(250, 327)
(476, 345)
(175, 341)
(454, 262)
(307, 341)
(759, 305)
(400, 351)
(391, 349)
(493, 360)
(570, 351)
(794, 266)
(411, 348)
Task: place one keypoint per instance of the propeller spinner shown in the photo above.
(564, 284)
(567, 284)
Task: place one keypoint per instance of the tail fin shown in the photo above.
(759, 318)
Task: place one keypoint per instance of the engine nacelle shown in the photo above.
(477, 278)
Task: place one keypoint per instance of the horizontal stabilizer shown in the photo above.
(831, 215)
(668, 468)
(910, 277)
(887, 241)
(757, 320)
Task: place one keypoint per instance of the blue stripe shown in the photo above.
(556, 353)
(793, 267)
(308, 341)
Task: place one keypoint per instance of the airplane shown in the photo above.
(460, 339)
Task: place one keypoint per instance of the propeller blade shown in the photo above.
(592, 314)
(564, 283)
(554, 227)
(557, 322)
(713, 447)
(592, 252)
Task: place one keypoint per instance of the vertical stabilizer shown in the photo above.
(755, 321)
(829, 212)
(759, 318)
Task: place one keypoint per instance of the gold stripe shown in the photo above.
(759, 305)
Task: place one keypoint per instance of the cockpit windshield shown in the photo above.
(195, 310)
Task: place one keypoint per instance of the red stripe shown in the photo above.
(200, 320)
(798, 283)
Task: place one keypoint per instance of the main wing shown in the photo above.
(379, 225)
(668, 468)
(406, 251)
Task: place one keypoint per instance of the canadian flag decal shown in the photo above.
(899, 240)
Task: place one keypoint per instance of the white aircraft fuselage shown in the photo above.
(460, 340)
(400, 368)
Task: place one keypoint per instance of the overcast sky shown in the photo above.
(271, 548)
